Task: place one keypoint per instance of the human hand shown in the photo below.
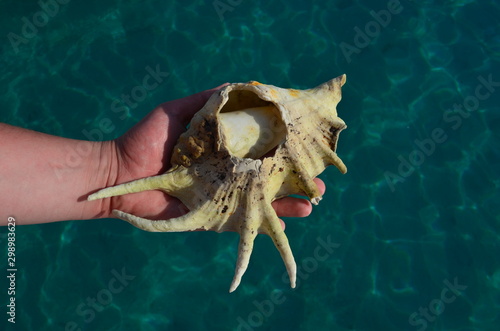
(146, 149)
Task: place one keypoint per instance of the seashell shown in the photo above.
(248, 146)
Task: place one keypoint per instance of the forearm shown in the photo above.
(45, 178)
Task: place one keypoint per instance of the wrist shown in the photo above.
(102, 171)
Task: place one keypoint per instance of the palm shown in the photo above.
(145, 151)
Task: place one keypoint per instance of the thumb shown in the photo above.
(184, 109)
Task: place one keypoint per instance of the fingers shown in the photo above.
(321, 186)
(283, 225)
(295, 207)
(292, 207)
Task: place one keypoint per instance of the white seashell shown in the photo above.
(248, 146)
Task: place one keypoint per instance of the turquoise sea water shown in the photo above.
(414, 247)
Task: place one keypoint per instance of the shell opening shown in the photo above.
(252, 127)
